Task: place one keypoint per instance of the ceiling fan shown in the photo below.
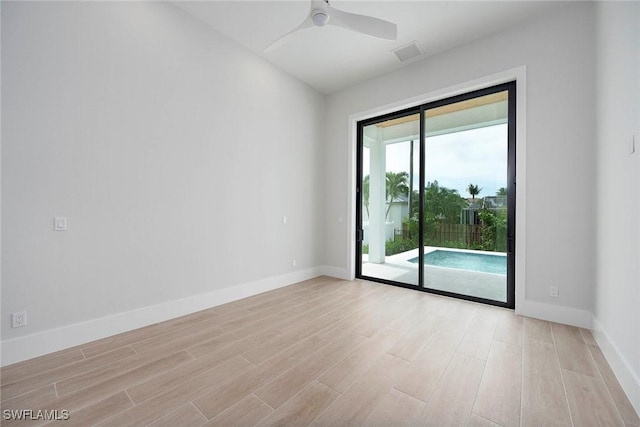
(322, 13)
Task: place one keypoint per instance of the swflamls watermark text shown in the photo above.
(32, 415)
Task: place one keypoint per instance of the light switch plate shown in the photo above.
(60, 223)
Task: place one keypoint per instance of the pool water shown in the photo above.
(495, 264)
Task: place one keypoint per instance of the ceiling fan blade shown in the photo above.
(363, 24)
(290, 35)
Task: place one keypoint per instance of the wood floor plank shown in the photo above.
(178, 342)
(510, 328)
(351, 313)
(31, 398)
(248, 412)
(412, 343)
(425, 371)
(320, 310)
(124, 339)
(284, 302)
(344, 373)
(22, 370)
(81, 397)
(303, 408)
(394, 309)
(173, 377)
(97, 347)
(589, 401)
(477, 340)
(477, 421)
(620, 399)
(241, 307)
(365, 301)
(500, 389)
(455, 393)
(107, 372)
(251, 319)
(97, 412)
(208, 346)
(294, 380)
(293, 322)
(587, 336)
(214, 344)
(321, 301)
(355, 404)
(458, 318)
(219, 400)
(376, 320)
(51, 376)
(167, 401)
(572, 351)
(87, 396)
(425, 309)
(277, 345)
(237, 347)
(537, 329)
(186, 416)
(248, 304)
(396, 409)
(543, 395)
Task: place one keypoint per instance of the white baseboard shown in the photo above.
(337, 272)
(40, 343)
(555, 313)
(625, 374)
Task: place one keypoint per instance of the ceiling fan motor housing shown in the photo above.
(319, 17)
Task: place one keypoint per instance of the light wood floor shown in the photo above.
(330, 352)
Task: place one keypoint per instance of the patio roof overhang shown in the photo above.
(476, 113)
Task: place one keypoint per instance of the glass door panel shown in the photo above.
(389, 183)
(466, 147)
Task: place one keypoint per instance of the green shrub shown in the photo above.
(399, 245)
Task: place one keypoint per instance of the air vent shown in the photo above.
(408, 51)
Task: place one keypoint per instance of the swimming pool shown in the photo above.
(495, 264)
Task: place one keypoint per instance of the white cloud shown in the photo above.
(455, 160)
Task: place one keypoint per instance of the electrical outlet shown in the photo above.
(294, 263)
(60, 223)
(553, 291)
(19, 319)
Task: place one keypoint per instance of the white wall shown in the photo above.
(557, 51)
(173, 153)
(617, 286)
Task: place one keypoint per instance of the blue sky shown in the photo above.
(455, 160)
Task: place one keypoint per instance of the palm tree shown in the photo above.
(442, 202)
(502, 191)
(396, 186)
(474, 190)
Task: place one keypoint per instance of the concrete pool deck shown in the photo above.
(473, 283)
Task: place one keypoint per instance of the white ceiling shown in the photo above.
(332, 58)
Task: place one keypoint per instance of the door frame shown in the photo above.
(512, 165)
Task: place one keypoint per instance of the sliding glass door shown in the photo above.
(390, 164)
(436, 197)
